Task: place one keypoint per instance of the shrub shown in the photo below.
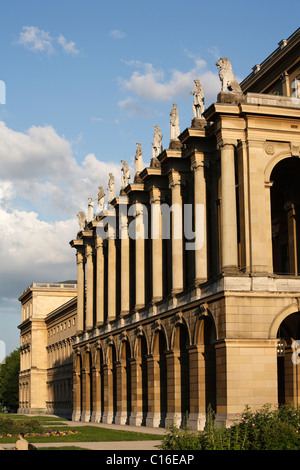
(265, 429)
(9, 427)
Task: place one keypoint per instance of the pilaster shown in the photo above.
(176, 232)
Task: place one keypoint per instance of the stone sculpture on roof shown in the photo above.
(81, 220)
(111, 188)
(101, 195)
(198, 104)
(174, 123)
(138, 163)
(228, 81)
(125, 174)
(91, 215)
(157, 147)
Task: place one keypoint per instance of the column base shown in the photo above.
(155, 420)
(227, 419)
(85, 416)
(108, 417)
(121, 417)
(196, 421)
(136, 418)
(76, 416)
(96, 417)
(230, 270)
(174, 419)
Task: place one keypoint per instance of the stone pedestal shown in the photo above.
(229, 97)
(199, 123)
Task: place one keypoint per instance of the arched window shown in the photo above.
(285, 211)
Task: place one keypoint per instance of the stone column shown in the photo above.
(176, 231)
(111, 290)
(154, 415)
(76, 396)
(86, 393)
(108, 411)
(125, 288)
(197, 416)
(229, 247)
(197, 164)
(136, 416)
(99, 282)
(244, 213)
(292, 238)
(89, 321)
(121, 378)
(174, 388)
(286, 87)
(80, 291)
(96, 414)
(139, 257)
(157, 247)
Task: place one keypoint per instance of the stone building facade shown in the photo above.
(188, 287)
(47, 329)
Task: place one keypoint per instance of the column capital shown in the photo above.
(88, 250)
(226, 143)
(197, 161)
(155, 195)
(174, 179)
(98, 242)
(79, 257)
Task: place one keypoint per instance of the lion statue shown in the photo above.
(226, 76)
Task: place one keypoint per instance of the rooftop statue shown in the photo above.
(91, 215)
(174, 123)
(198, 104)
(227, 78)
(111, 188)
(138, 162)
(81, 220)
(157, 142)
(125, 174)
(100, 199)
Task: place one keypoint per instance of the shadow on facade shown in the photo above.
(137, 383)
(60, 389)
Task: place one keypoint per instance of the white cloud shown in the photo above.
(30, 241)
(117, 34)
(42, 188)
(38, 168)
(36, 39)
(68, 46)
(151, 84)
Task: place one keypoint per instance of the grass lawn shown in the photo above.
(81, 433)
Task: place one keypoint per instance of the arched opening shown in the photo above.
(126, 379)
(141, 356)
(181, 343)
(285, 213)
(100, 397)
(111, 384)
(210, 363)
(89, 379)
(160, 347)
(79, 386)
(288, 372)
(204, 339)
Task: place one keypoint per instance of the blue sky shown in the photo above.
(85, 81)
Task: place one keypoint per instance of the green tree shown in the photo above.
(9, 380)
